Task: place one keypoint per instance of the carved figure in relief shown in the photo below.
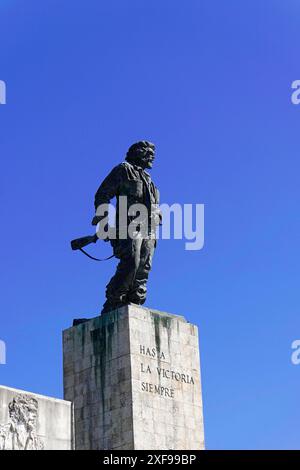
(20, 433)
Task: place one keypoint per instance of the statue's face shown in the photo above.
(24, 413)
(148, 158)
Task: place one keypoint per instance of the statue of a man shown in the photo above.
(130, 179)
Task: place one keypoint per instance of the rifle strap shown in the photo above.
(92, 257)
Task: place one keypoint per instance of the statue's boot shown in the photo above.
(109, 306)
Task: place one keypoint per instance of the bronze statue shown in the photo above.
(130, 179)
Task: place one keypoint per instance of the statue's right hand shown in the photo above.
(96, 220)
(106, 239)
(104, 236)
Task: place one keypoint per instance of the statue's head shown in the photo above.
(23, 409)
(141, 153)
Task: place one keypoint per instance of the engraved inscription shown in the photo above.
(151, 352)
(163, 391)
(159, 373)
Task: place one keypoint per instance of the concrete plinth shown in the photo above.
(134, 378)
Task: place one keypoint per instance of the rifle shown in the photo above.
(79, 243)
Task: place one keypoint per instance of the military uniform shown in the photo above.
(135, 254)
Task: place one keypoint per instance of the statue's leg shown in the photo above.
(138, 290)
(128, 252)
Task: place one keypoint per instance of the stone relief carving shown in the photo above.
(20, 433)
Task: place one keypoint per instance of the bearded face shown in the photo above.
(23, 410)
(142, 154)
(148, 158)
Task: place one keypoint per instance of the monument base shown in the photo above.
(133, 376)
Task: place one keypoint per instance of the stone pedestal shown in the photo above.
(34, 422)
(134, 378)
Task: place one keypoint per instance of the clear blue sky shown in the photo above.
(209, 83)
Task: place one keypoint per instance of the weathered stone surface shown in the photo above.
(34, 422)
(134, 377)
